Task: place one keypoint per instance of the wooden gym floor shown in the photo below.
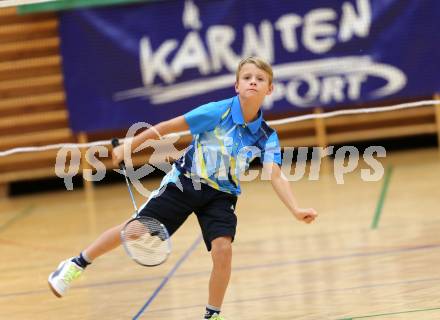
(373, 253)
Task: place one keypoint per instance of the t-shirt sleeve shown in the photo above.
(271, 151)
(204, 118)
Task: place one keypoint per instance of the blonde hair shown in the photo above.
(260, 63)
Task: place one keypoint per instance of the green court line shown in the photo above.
(388, 314)
(18, 216)
(383, 194)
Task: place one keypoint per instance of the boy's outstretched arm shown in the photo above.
(282, 188)
(155, 132)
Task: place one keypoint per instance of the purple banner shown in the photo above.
(157, 60)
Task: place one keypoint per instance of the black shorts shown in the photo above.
(214, 209)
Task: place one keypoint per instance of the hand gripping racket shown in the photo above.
(145, 239)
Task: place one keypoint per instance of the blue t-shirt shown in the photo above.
(224, 145)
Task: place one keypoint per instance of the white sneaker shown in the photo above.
(60, 279)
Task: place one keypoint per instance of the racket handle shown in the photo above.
(115, 143)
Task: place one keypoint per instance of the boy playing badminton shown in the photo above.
(231, 130)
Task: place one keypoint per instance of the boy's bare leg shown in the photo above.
(107, 241)
(71, 269)
(221, 253)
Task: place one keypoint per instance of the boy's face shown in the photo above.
(253, 83)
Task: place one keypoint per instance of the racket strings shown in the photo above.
(146, 241)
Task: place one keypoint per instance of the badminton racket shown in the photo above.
(145, 239)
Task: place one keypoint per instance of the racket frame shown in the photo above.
(127, 250)
(115, 143)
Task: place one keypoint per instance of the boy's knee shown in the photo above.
(221, 248)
